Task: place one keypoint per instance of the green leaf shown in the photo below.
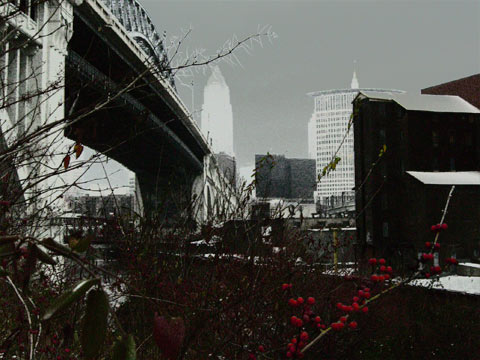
(124, 349)
(68, 297)
(51, 244)
(80, 244)
(43, 256)
(95, 323)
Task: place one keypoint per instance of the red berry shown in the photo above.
(427, 275)
(367, 295)
(292, 302)
(383, 268)
(437, 269)
(372, 261)
(374, 278)
(356, 299)
(343, 319)
(365, 309)
(252, 357)
(311, 300)
(353, 325)
(389, 269)
(289, 354)
(366, 289)
(317, 319)
(294, 340)
(381, 278)
(386, 276)
(355, 306)
(337, 326)
(304, 336)
(339, 306)
(300, 301)
(293, 320)
(285, 286)
(428, 245)
(261, 348)
(301, 344)
(444, 226)
(382, 262)
(361, 293)
(436, 246)
(433, 228)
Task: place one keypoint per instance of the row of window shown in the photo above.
(28, 7)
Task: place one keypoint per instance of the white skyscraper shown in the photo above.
(217, 118)
(326, 129)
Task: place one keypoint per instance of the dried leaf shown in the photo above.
(95, 323)
(78, 148)
(68, 297)
(169, 335)
(8, 239)
(66, 162)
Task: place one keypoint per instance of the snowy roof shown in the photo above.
(447, 178)
(421, 102)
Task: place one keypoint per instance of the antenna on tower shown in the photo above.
(354, 84)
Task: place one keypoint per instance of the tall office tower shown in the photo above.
(326, 130)
(217, 118)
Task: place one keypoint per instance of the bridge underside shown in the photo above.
(135, 125)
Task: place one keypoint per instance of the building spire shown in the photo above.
(354, 84)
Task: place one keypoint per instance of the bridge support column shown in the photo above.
(166, 198)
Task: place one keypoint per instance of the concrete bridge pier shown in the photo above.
(168, 197)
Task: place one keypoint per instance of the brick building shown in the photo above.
(468, 88)
(422, 133)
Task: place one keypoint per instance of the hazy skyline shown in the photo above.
(405, 45)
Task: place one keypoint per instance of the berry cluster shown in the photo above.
(378, 266)
(431, 248)
(307, 319)
(439, 227)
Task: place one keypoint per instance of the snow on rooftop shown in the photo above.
(473, 265)
(464, 284)
(447, 178)
(422, 102)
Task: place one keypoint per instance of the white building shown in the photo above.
(217, 117)
(34, 36)
(326, 129)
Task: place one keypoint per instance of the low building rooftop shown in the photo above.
(421, 102)
(447, 178)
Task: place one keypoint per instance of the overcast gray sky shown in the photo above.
(404, 45)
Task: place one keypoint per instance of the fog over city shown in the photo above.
(312, 45)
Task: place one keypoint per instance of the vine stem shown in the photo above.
(29, 318)
(390, 288)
